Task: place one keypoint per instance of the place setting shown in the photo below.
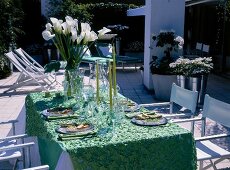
(75, 130)
(58, 113)
(143, 117)
(129, 105)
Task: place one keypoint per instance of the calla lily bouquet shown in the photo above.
(71, 38)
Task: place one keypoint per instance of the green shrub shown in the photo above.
(10, 28)
(85, 12)
(4, 68)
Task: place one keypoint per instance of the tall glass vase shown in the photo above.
(73, 83)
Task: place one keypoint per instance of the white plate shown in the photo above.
(133, 108)
(162, 121)
(48, 113)
(64, 130)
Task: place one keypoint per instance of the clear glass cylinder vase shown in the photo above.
(73, 83)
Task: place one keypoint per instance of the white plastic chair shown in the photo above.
(198, 48)
(197, 52)
(13, 148)
(187, 99)
(205, 50)
(219, 112)
(27, 75)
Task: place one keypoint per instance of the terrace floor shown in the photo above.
(130, 82)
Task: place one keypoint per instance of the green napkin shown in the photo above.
(60, 117)
(88, 134)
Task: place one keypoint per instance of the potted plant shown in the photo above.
(193, 74)
(162, 74)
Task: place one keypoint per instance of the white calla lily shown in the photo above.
(90, 36)
(76, 24)
(69, 20)
(47, 35)
(85, 27)
(53, 20)
(65, 28)
(103, 31)
(93, 36)
(71, 23)
(70, 34)
(74, 35)
(48, 27)
(80, 38)
(56, 24)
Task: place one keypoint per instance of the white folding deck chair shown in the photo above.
(187, 99)
(29, 60)
(33, 64)
(27, 76)
(219, 112)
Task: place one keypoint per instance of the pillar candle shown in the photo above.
(110, 87)
(97, 83)
(114, 72)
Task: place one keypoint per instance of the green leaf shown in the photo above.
(52, 66)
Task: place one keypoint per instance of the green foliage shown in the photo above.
(161, 66)
(84, 12)
(10, 28)
(137, 2)
(52, 66)
(4, 68)
(11, 20)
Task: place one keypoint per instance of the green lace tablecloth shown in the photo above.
(134, 147)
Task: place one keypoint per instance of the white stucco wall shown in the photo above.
(160, 15)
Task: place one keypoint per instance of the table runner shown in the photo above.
(134, 147)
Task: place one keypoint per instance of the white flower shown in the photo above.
(85, 27)
(90, 36)
(65, 28)
(56, 24)
(74, 34)
(180, 40)
(69, 20)
(48, 27)
(80, 38)
(68, 36)
(47, 35)
(71, 23)
(103, 31)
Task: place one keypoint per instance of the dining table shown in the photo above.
(128, 146)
